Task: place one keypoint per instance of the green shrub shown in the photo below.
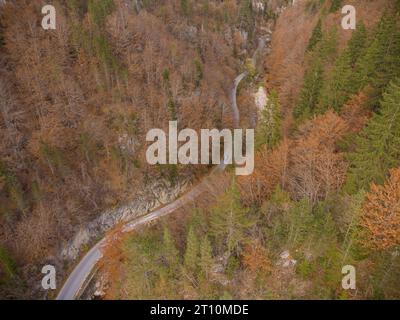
(335, 5)
(99, 10)
(7, 266)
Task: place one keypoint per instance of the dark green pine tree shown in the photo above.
(346, 64)
(269, 126)
(381, 61)
(316, 36)
(98, 10)
(335, 5)
(198, 75)
(337, 88)
(389, 69)
(327, 48)
(378, 146)
(186, 7)
(365, 67)
(229, 222)
(310, 92)
(191, 258)
(171, 106)
(170, 253)
(206, 258)
(357, 43)
(246, 17)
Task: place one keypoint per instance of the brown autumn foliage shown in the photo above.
(255, 258)
(368, 12)
(286, 61)
(381, 214)
(315, 167)
(112, 262)
(308, 165)
(269, 172)
(355, 112)
(77, 102)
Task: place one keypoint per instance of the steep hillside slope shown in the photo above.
(324, 194)
(77, 102)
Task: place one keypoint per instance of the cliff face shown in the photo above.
(146, 200)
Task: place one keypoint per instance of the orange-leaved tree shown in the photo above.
(269, 172)
(381, 214)
(316, 168)
(255, 258)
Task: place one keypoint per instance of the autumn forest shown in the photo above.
(76, 103)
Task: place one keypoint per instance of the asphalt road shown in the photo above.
(77, 279)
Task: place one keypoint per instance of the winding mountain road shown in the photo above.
(76, 281)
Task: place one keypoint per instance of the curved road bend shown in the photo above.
(76, 280)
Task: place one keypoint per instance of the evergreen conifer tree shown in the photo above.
(229, 222)
(335, 5)
(316, 36)
(170, 252)
(206, 259)
(310, 92)
(357, 43)
(337, 87)
(191, 257)
(269, 126)
(378, 146)
(381, 61)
